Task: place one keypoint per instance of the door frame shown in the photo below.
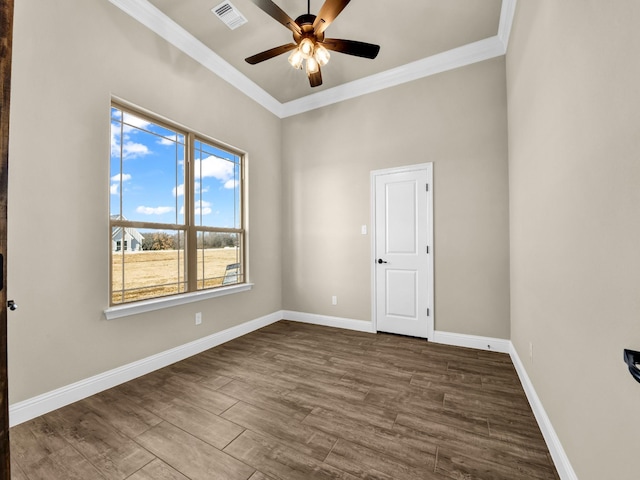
(6, 42)
(428, 167)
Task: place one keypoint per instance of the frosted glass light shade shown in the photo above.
(321, 55)
(296, 59)
(312, 66)
(306, 47)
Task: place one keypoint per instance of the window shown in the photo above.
(176, 210)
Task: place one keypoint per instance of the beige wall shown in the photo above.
(457, 120)
(306, 212)
(69, 58)
(574, 144)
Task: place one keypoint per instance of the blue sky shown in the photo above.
(152, 177)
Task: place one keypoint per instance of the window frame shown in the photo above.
(189, 228)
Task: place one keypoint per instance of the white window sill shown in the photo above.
(172, 301)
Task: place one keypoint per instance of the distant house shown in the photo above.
(131, 241)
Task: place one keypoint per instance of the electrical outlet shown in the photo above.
(363, 229)
(334, 300)
(198, 318)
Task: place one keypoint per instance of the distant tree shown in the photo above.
(216, 240)
(147, 242)
(178, 241)
(159, 241)
(230, 240)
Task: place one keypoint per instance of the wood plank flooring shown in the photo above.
(298, 402)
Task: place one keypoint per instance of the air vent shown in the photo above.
(230, 15)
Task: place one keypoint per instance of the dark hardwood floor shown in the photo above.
(296, 401)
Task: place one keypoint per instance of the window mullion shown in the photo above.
(192, 236)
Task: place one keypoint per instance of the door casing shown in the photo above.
(428, 167)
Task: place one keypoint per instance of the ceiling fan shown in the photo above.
(311, 47)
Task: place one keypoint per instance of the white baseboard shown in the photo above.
(455, 339)
(34, 407)
(327, 321)
(560, 459)
(472, 341)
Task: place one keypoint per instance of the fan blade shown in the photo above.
(315, 79)
(327, 14)
(272, 52)
(352, 47)
(271, 9)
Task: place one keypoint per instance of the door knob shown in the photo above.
(381, 261)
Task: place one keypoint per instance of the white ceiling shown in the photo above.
(417, 38)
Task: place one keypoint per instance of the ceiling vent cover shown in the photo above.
(230, 15)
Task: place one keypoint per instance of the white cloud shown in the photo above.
(129, 149)
(215, 167)
(125, 177)
(166, 142)
(133, 150)
(131, 122)
(115, 135)
(114, 189)
(202, 208)
(153, 210)
(179, 190)
(231, 184)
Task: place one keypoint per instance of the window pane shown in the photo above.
(146, 264)
(147, 170)
(217, 187)
(219, 259)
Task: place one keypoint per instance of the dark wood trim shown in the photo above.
(6, 44)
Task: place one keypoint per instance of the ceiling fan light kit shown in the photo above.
(310, 47)
(315, 54)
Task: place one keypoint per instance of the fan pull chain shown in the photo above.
(308, 7)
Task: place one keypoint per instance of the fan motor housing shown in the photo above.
(305, 22)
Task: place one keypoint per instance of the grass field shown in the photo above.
(158, 273)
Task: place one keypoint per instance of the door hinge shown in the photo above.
(427, 187)
(427, 248)
(428, 312)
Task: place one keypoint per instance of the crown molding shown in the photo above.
(156, 21)
(151, 17)
(507, 12)
(442, 62)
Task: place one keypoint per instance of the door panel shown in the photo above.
(403, 268)
(400, 217)
(402, 294)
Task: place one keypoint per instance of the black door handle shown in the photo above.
(632, 359)
(381, 261)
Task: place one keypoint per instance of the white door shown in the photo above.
(403, 249)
